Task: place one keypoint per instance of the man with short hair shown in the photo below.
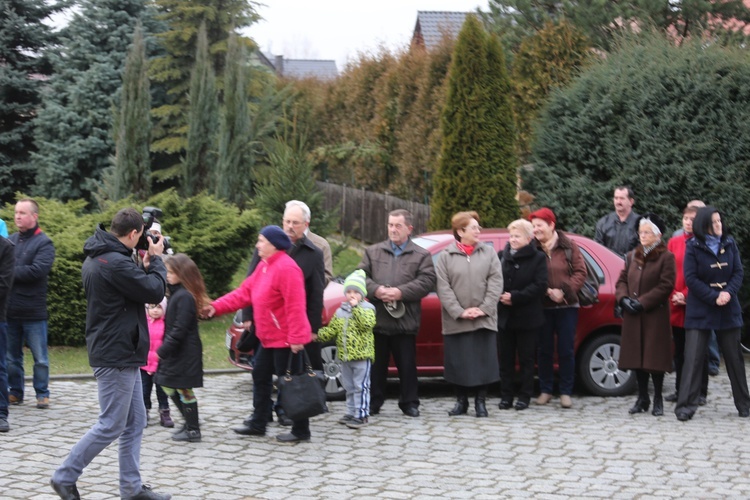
(399, 274)
(7, 263)
(117, 341)
(691, 204)
(618, 230)
(27, 304)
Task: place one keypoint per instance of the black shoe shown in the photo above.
(671, 397)
(713, 371)
(460, 408)
(291, 438)
(505, 404)
(283, 419)
(702, 401)
(249, 420)
(409, 411)
(246, 430)
(658, 410)
(147, 493)
(69, 492)
(374, 411)
(4, 427)
(684, 417)
(480, 407)
(640, 406)
(522, 405)
(744, 413)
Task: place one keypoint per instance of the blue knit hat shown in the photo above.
(356, 281)
(276, 237)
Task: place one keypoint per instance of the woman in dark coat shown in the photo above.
(713, 274)
(520, 311)
(643, 291)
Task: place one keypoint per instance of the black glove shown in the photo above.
(631, 306)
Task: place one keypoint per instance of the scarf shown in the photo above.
(713, 242)
(467, 249)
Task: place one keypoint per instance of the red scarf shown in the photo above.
(467, 249)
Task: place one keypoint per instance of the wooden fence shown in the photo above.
(364, 215)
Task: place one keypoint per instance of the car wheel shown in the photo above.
(598, 367)
(332, 371)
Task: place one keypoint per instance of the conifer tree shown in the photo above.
(202, 122)
(234, 176)
(23, 71)
(133, 130)
(478, 165)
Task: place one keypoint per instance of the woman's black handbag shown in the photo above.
(302, 396)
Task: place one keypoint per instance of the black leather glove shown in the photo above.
(631, 306)
(636, 305)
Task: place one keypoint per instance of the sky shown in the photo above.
(341, 29)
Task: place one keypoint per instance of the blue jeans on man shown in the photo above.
(3, 371)
(122, 415)
(34, 335)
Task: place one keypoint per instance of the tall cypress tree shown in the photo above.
(234, 176)
(23, 71)
(173, 69)
(73, 131)
(133, 130)
(202, 121)
(478, 165)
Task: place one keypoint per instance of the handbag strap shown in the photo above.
(307, 362)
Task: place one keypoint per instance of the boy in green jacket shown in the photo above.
(351, 327)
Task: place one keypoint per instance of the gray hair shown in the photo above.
(524, 226)
(301, 205)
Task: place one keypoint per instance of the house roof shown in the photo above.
(432, 26)
(309, 68)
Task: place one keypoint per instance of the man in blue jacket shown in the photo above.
(27, 304)
(117, 341)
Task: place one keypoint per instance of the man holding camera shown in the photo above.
(118, 342)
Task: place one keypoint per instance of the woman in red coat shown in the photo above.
(643, 291)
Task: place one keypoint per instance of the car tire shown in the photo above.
(598, 368)
(332, 371)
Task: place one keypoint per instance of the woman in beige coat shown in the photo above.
(469, 284)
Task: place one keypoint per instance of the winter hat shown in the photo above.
(276, 237)
(155, 226)
(356, 282)
(545, 214)
(655, 222)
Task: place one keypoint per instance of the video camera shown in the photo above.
(150, 215)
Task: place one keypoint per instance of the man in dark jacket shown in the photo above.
(7, 263)
(117, 340)
(399, 274)
(310, 260)
(618, 230)
(27, 305)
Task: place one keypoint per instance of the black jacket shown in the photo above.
(181, 353)
(7, 263)
(117, 291)
(525, 277)
(35, 255)
(309, 258)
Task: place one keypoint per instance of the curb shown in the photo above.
(85, 376)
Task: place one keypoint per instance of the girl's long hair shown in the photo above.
(190, 277)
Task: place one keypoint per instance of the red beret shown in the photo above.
(545, 214)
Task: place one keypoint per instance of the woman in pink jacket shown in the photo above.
(276, 290)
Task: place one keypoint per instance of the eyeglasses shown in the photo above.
(473, 228)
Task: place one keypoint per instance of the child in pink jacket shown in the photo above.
(155, 313)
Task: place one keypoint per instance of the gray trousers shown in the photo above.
(355, 377)
(123, 416)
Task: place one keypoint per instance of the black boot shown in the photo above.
(192, 432)
(461, 407)
(179, 405)
(480, 401)
(642, 403)
(658, 409)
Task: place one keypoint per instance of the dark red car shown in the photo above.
(597, 343)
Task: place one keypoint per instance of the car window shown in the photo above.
(594, 265)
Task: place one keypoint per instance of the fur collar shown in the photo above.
(652, 255)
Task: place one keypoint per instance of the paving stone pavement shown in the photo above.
(595, 450)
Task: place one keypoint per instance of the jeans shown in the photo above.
(34, 335)
(561, 321)
(713, 353)
(122, 415)
(3, 371)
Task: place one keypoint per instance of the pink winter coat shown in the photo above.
(276, 290)
(156, 335)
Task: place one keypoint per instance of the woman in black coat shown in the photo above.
(713, 275)
(520, 311)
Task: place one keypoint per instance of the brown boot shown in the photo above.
(165, 420)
